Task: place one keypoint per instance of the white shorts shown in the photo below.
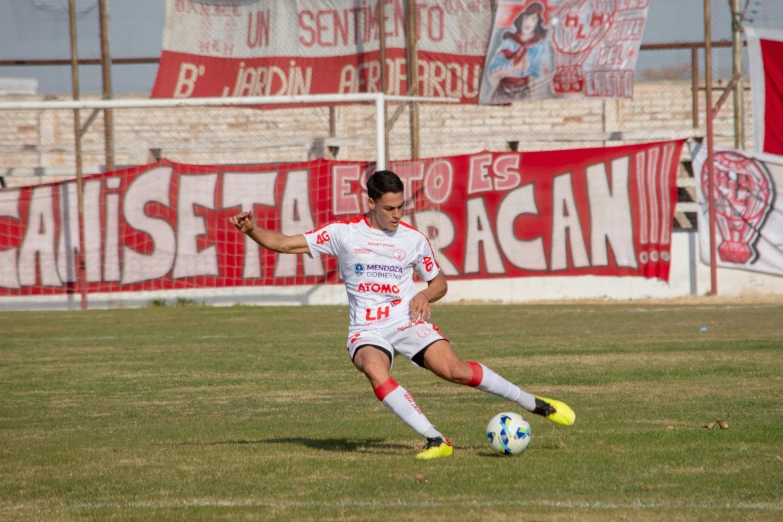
(407, 339)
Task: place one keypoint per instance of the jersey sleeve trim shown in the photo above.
(350, 221)
(403, 223)
(406, 225)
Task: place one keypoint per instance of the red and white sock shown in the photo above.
(400, 402)
(488, 381)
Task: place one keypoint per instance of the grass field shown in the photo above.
(256, 413)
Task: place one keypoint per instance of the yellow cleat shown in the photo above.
(554, 410)
(436, 448)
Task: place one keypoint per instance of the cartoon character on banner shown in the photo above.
(522, 64)
(743, 197)
(579, 27)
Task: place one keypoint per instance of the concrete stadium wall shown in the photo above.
(687, 277)
(37, 146)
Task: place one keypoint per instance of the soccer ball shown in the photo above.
(508, 433)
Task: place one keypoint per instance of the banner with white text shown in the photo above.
(299, 47)
(562, 48)
(748, 211)
(605, 212)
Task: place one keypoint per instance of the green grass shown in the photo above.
(256, 413)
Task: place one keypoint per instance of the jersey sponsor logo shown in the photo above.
(322, 238)
(399, 254)
(358, 269)
(387, 245)
(395, 302)
(428, 264)
(384, 271)
(377, 314)
(378, 288)
(385, 268)
(361, 251)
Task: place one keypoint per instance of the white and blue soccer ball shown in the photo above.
(508, 433)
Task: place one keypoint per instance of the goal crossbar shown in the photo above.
(379, 99)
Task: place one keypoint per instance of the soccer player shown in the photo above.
(377, 254)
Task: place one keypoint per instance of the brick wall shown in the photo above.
(37, 146)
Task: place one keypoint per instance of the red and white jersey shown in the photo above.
(377, 267)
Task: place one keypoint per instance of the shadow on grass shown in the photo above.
(372, 445)
(375, 445)
(341, 445)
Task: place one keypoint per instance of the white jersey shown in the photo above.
(377, 267)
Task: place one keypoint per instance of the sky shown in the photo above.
(38, 29)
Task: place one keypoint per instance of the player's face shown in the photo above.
(387, 211)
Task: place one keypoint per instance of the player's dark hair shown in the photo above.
(382, 182)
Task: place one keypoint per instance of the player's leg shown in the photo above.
(440, 358)
(375, 363)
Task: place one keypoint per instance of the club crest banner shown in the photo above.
(748, 211)
(562, 48)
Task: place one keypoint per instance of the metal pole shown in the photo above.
(380, 132)
(695, 85)
(710, 197)
(77, 145)
(736, 45)
(412, 65)
(382, 64)
(108, 114)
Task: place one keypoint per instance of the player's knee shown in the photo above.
(373, 368)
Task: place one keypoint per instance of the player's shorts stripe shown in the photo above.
(386, 388)
(478, 374)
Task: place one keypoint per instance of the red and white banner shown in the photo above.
(765, 49)
(599, 212)
(563, 48)
(299, 47)
(748, 213)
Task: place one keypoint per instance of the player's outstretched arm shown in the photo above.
(245, 222)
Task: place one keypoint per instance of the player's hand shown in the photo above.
(420, 308)
(245, 222)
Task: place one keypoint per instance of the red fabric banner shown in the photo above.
(301, 47)
(765, 48)
(604, 212)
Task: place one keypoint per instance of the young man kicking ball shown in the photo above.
(377, 254)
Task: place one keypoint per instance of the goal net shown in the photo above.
(155, 228)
